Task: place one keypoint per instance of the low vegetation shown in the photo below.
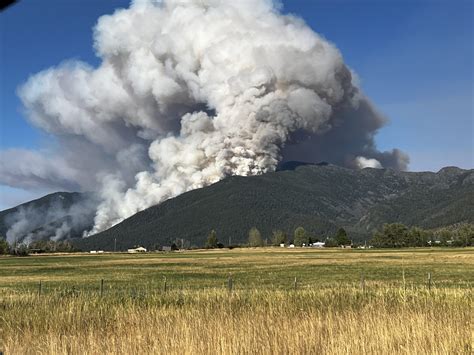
(263, 300)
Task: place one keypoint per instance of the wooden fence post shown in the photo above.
(101, 287)
(404, 281)
(429, 281)
(164, 285)
(39, 288)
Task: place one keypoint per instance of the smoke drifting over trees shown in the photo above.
(56, 216)
(187, 93)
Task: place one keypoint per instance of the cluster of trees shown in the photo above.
(340, 239)
(394, 235)
(39, 246)
(4, 247)
(460, 235)
(397, 235)
(300, 237)
(50, 246)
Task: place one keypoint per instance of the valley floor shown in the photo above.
(240, 301)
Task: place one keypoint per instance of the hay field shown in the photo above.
(345, 302)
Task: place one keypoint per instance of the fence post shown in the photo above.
(39, 288)
(164, 285)
(295, 284)
(404, 281)
(101, 287)
(229, 283)
(429, 281)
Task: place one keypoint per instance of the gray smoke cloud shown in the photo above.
(189, 92)
(62, 217)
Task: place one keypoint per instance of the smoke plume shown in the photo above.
(61, 216)
(189, 92)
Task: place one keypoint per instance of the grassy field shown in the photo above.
(345, 302)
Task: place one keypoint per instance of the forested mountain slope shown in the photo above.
(320, 198)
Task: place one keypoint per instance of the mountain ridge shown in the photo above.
(46, 216)
(319, 197)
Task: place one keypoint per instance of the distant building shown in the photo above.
(291, 246)
(318, 245)
(282, 245)
(137, 250)
(93, 252)
(166, 248)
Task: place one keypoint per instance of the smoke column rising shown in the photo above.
(189, 92)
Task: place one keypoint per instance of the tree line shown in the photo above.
(391, 235)
(398, 235)
(39, 246)
(299, 238)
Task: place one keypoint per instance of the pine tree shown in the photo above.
(301, 237)
(212, 240)
(342, 238)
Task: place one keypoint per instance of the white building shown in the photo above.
(137, 250)
(318, 245)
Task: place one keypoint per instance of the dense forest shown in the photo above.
(319, 198)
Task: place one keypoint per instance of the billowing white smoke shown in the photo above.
(191, 91)
(61, 217)
(367, 163)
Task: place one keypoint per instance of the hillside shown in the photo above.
(320, 198)
(45, 216)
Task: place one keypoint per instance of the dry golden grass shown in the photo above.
(329, 313)
(324, 321)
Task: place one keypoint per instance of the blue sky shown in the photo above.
(414, 60)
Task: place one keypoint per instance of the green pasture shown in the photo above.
(261, 268)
